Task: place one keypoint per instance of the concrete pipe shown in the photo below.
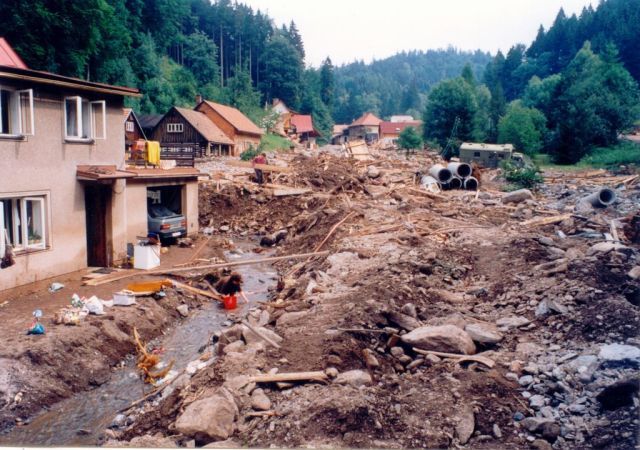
(459, 169)
(455, 183)
(430, 183)
(601, 198)
(471, 184)
(441, 173)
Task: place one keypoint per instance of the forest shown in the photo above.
(573, 89)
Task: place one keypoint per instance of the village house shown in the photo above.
(366, 127)
(485, 155)
(185, 134)
(339, 134)
(284, 117)
(390, 131)
(303, 131)
(236, 126)
(67, 200)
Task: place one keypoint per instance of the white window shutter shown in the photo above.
(27, 114)
(3, 247)
(99, 119)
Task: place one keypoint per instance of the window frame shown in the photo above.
(20, 223)
(2, 230)
(175, 127)
(129, 124)
(85, 112)
(16, 124)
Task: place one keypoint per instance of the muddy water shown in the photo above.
(81, 419)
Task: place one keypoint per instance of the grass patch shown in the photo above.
(520, 177)
(273, 143)
(624, 153)
(544, 161)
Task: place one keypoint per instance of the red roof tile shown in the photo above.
(367, 119)
(397, 127)
(239, 121)
(8, 57)
(303, 123)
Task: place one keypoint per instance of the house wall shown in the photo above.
(134, 135)
(46, 164)
(136, 207)
(241, 140)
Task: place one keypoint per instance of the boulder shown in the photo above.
(466, 424)
(403, 320)
(534, 424)
(289, 318)
(634, 273)
(212, 417)
(373, 172)
(355, 378)
(236, 346)
(183, 310)
(250, 337)
(483, 333)
(410, 309)
(518, 196)
(444, 338)
(618, 353)
(606, 247)
(512, 322)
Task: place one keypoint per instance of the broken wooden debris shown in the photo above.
(194, 290)
(292, 376)
(263, 167)
(539, 221)
(461, 358)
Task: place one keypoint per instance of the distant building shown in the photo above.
(339, 134)
(133, 131)
(303, 130)
(148, 122)
(390, 131)
(235, 125)
(485, 155)
(366, 127)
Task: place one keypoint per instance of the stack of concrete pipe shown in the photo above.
(457, 175)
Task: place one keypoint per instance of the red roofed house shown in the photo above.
(390, 131)
(238, 127)
(302, 128)
(366, 127)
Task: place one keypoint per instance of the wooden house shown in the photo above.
(236, 126)
(133, 132)
(390, 131)
(185, 134)
(303, 130)
(366, 127)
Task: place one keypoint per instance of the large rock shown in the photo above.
(634, 273)
(290, 318)
(606, 247)
(518, 196)
(250, 337)
(466, 424)
(444, 338)
(512, 322)
(483, 333)
(212, 417)
(403, 320)
(354, 378)
(618, 353)
(260, 401)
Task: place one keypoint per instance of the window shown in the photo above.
(22, 223)
(476, 154)
(84, 120)
(175, 128)
(128, 126)
(16, 112)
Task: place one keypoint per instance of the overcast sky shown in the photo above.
(348, 30)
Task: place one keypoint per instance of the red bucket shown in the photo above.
(230, 302)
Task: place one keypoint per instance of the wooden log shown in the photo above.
(427, 194)
(206, 267)
(539, 221)
(293, 376)
(335, 227)
(202, 292)
(260, 335)
(264, 167)
(461, 358)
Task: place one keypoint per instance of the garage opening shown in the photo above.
(165, 212)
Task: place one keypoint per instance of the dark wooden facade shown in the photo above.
(132, 130)
(182, 146)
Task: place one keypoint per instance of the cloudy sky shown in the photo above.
(347, 30)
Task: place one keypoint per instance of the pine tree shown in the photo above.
(327, 82)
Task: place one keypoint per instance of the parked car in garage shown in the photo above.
(166, 223)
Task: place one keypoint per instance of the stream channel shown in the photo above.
(81, 419)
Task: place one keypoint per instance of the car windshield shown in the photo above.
(156, 211)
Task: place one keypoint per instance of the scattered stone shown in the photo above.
(370, 359)
(260, 401)
(483, 333)
(537, 401)
(119, 421)
(518, 196)
(606, 247)
(465, 424)
(373, 172)
(619, 353)
(444, 338)
(497, 432)
(550, 431)
(224, 228)
(619, 394)
(541, 444)
(236, 346)
(354, 378)
(212, 417)
(525, 380)
(403, 320)
(289, 318)
(397, 352)
(227, 443)
(433, 359)
(331, 372)
(250, 337)
(410, 309)
(512, 322)
(534, 424)
(634, 273)
(416, 363)
(183, 310)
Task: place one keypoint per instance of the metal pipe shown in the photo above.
(440, 173)
(460, 169)
(471, 184)
(455, 183)
(601, 198)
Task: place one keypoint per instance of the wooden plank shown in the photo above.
(202, 292)
(264, 167)
(293, 376)
(132, 273)
(539, 221)
(475, 358)
(285, 191)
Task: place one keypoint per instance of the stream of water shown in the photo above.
(79, 420)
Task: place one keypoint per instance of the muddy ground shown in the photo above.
(551, 304)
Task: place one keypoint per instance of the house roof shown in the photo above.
(149, 121)
(339, 129)
(204, 126)
(303, 124)
(238, 120)
(397, 127)
(367, 119)
(8, 57)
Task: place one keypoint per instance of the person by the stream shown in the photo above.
(228, 287)
(260, 159)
